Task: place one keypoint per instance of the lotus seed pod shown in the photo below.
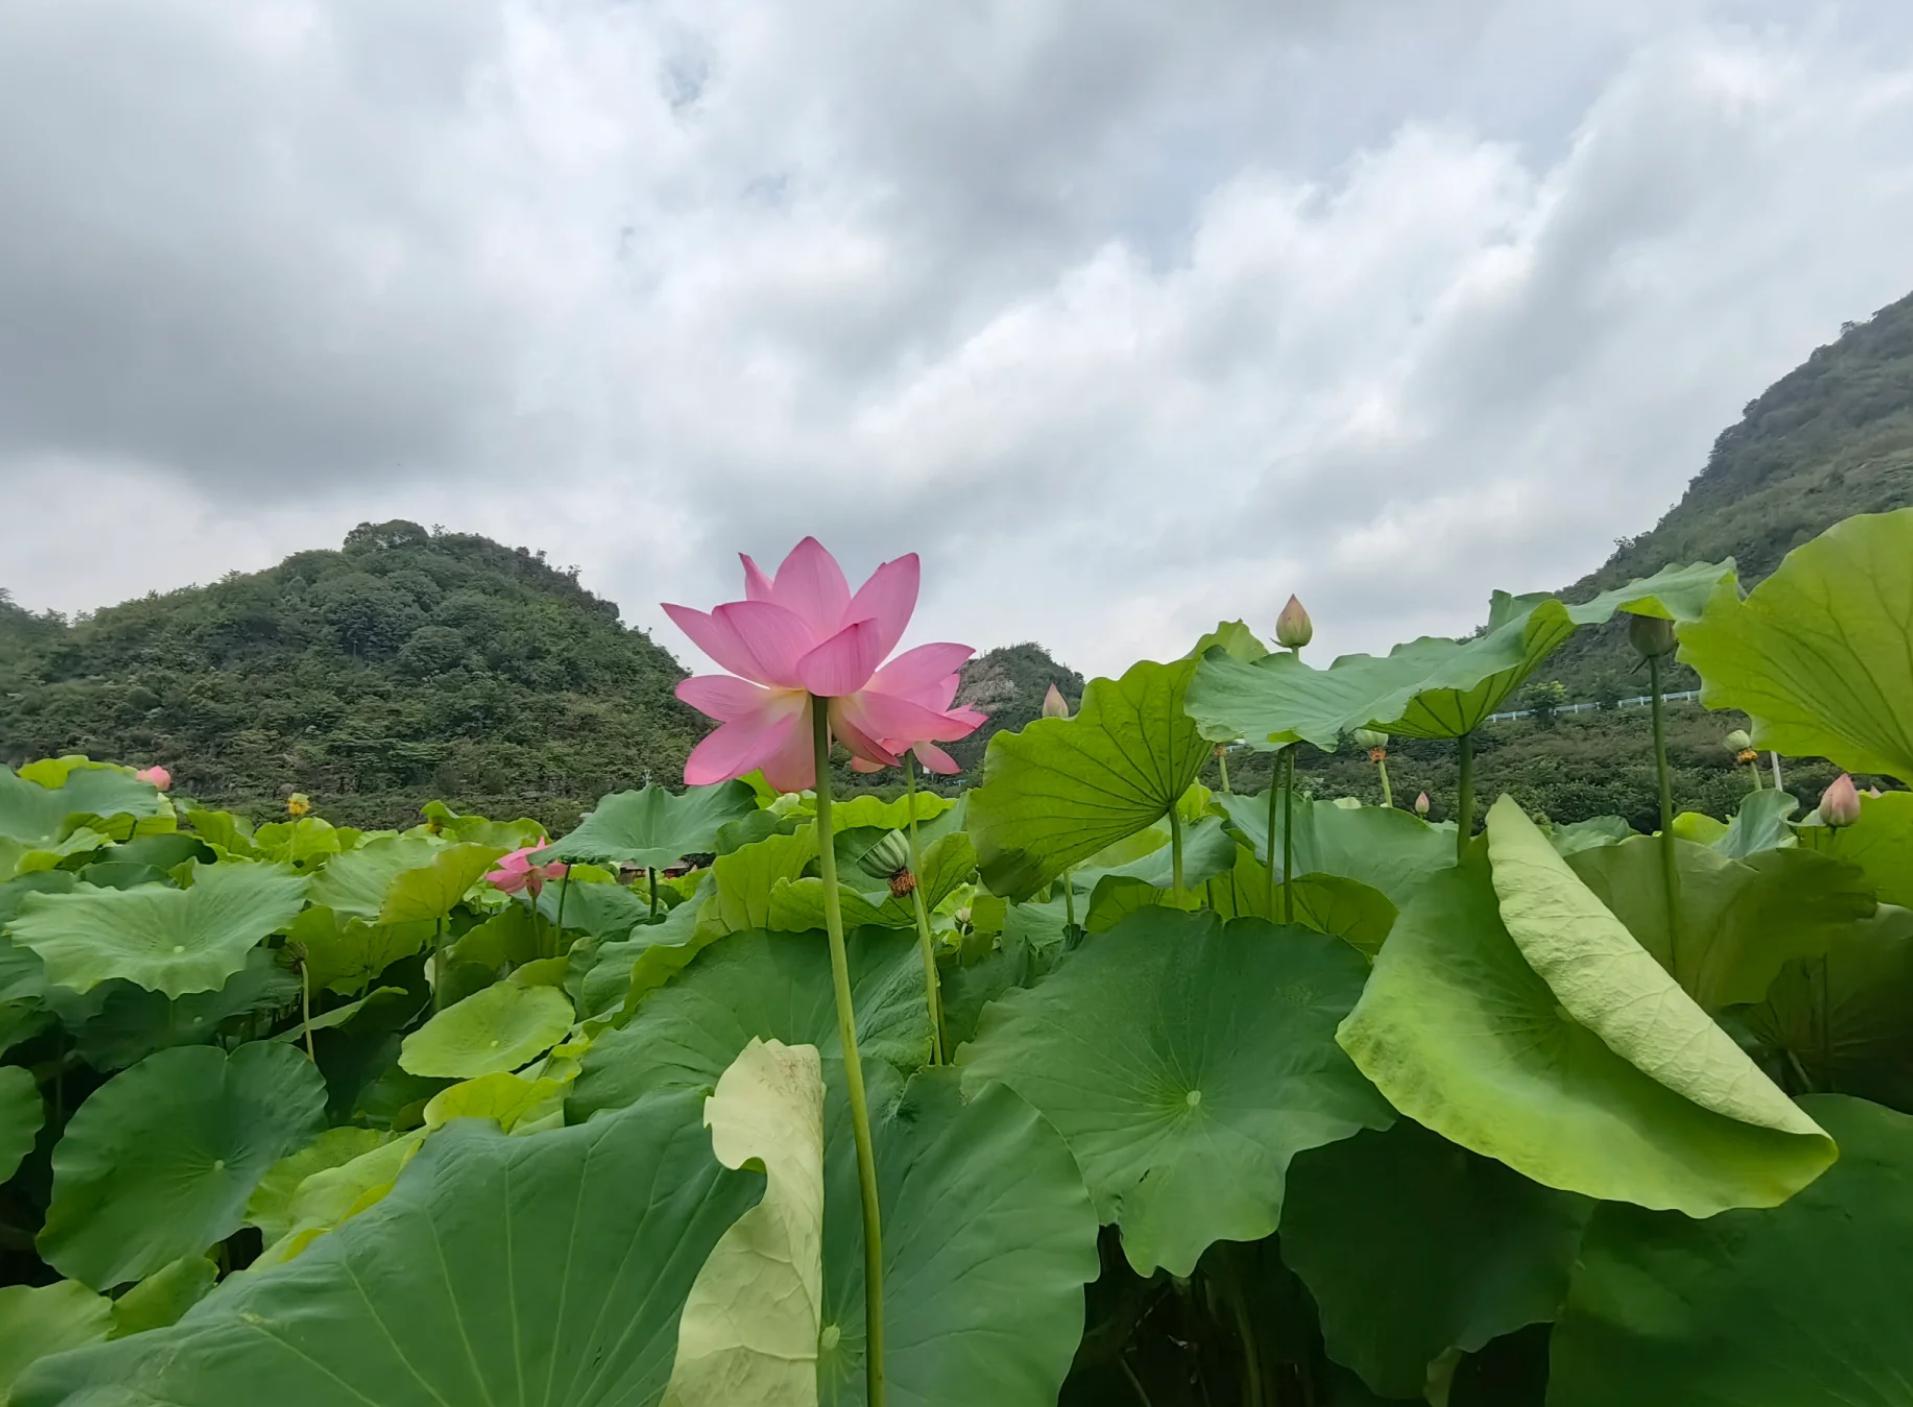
(298, 804)
(1651, 636)
(1054, 704)
(886, 857)
(1293, 629)
(1370, 737)
(1738, 741)
(1840, 803)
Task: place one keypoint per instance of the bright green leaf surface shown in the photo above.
(173, 941)
(36, 1323)
(356, 884)
(1880, 843)
(1802, 1305)
(989, 1237)
(652, 828)
(161, 1159)
(162, 1297)
(750, 1326)
(499, 1028)
(431, 892)
(1412, 1246)
(502, 1270)
(745, 878)
(771, 986)
(34, 814)
(1816, 655)
(1463, 1036)
(344, 954)
(1385, 848)
(1740, 921)
(1185, 1062)
(270, 1206)
(504, 1098)
(22, 1112)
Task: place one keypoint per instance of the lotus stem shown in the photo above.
(305, 1006)
(1669, 876)
(853, 1065)
(1465, 797)
(1175, 854)
(1288, 833)
(1268, 847)
(1774, 758)
(931, 986)
(1069, 899)
(1222, 765)
(564, 889)
(438, 964)
(652, 870)
(1388, 796)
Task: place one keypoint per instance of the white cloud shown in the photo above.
(1127, 319)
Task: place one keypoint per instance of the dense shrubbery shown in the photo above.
(1249, 1097)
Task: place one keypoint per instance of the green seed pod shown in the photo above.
(1370, 737)
(886, 857)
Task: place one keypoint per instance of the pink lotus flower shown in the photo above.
(154, 777)
(804, 634)
(517, 872)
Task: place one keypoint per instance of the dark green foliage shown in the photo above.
(409, 663)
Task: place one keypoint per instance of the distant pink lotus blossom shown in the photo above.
(154, 776)
(517, 872)
(802, 634)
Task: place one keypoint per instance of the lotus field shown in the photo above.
(1090, 1085)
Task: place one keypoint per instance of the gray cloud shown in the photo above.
(1127, 317)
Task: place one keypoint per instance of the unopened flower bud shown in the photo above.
(1738, 741)
(1421, 804)
(1293, 629)
(1840, 803)
(155, 776)
(1054, 704)
(887, 857)
(1651, 636)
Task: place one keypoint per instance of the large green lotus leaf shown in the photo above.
(22, 1112)
(1463, 1036)
(1327, 903)
(36, 812)
(356, 884)
(1606, 981)
(1816, 655)
(325, 1200)
(506, 1099)
(773, 986)
(1062, 789)
(1185, 1062)
(1880, 843)
(499, 1027)
(745, 878)
(432, 891)
(797, 905)
(1678, 593)
(160, 1160)
(1386, 849)
(751, 1321)
(499, 1270)
(603, 910)
(1600, 830)
(37, 1323)
(131, 1022)
(1760, 824)
(1412, 1246)
(164, 1296)
(344, 954)
(1803, 1305)
(1843, 1020)
(652, 828)
(1741, 921)
(440, 819)
(173, 941)
(346, 1012)
(270, 1206)
(608, 977)
(988, 1237)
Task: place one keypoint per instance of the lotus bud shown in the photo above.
(1840, 803)
(1370, 737)
(298, 804)
(1293, 628)
(1421, 804)
(1738, 741)
(1054, 704)
(155, 777)
(1651, 636)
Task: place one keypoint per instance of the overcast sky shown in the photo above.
(1127, 316)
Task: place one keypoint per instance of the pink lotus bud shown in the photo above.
(1421, 804)
(1293, 629)
(1840, 803)
(154, 777)
(1054, 704)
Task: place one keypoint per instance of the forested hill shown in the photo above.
(1831, 438)
(406, 665)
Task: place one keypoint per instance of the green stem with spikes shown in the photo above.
(1388, 797)
(1670, 882)
(1222, 765)
(931, 987)
(1465, 797)
(853, 1065)
(1288, 833)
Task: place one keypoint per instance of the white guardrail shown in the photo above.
(1638, 701)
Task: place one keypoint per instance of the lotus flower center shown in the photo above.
(1193, 1098)
(828, 1339)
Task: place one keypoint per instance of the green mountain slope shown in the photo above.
(406, 665)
